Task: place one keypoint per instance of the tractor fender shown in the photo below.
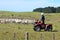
(48, 25)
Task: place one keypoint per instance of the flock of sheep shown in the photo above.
(17, 21)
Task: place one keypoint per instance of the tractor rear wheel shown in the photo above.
(49, 28)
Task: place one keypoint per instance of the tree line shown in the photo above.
(48, 10)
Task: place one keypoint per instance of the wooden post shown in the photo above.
(26, 37)
(53, 36)
(40, 36)
(14, 36)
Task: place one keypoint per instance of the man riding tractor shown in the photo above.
(42, 18)
(39, 25)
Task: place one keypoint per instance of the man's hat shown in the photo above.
(42, 13)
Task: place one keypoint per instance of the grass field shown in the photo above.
(7, 29)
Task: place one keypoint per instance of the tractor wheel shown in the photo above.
(49, 28)
(37, 28)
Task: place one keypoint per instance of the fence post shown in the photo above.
(14, 36)
(40, 36)
(53, 36)
(26, 37)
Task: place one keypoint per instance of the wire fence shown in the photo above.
(28, 36)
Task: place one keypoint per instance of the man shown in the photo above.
(42, 18)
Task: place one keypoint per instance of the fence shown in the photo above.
(26, 36)
(41, 37)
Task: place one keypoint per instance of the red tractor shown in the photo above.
(38, 26)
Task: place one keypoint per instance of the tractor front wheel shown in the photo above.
(37, 28)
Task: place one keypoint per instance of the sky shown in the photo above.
(26, 5)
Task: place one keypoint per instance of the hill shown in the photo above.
(7, 29)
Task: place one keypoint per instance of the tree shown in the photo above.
(49, 10)
(58, 10)
(38, 10)
(45, 10)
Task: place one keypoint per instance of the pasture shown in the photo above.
(8, 29)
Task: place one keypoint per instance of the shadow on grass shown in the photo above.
(49, 31)
(55, 31)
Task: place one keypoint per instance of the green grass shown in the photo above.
(7, 30)
(29, 15)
